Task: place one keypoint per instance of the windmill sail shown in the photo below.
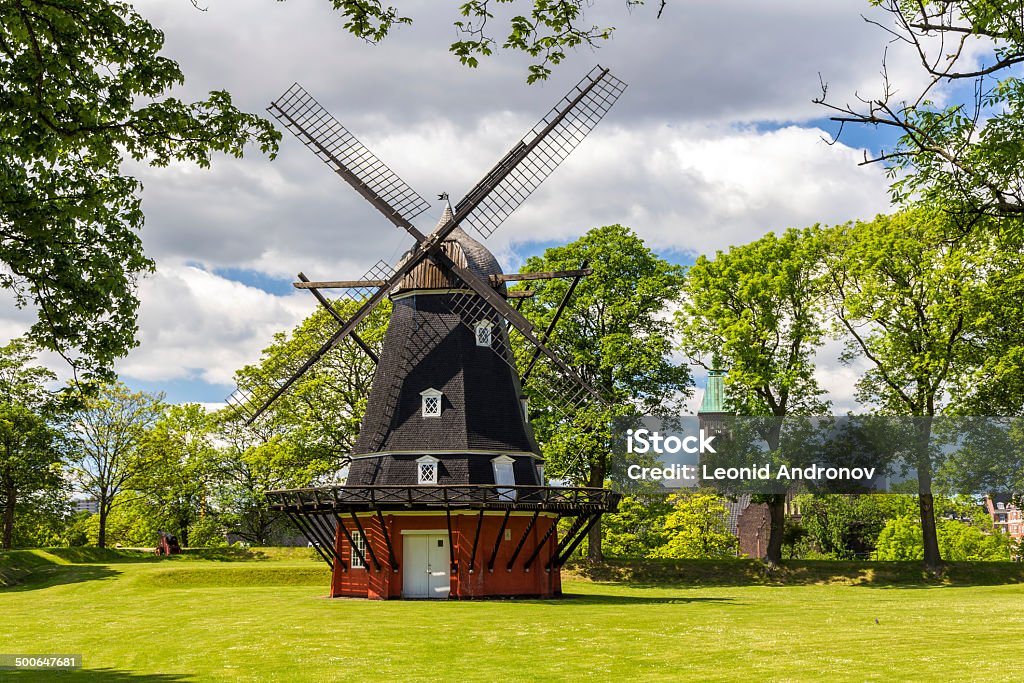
(338, 148)
(540, 151)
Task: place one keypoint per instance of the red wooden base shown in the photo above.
(471, 578)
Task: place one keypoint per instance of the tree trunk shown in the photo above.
(101, 541)
(926, 502)
(183, 534)
(777, 519)
(11, 498)
(594, 551)
(932, 556)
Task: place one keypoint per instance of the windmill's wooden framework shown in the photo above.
(488, 503)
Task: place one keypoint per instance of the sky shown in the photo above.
(715, 142)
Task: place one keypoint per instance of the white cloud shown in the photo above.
(193, 324)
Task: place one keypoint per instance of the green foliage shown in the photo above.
(177, 461)
(542, 29)
(129, 523)
(637, 528)
(29, 443)
(308, 433)
(960, 153)
(83, 88)
(845, 527)
(902, 539)
(614, 333)
(105, 436)
(320, 414)
(697, 528)
(911, 295)
(756, 310)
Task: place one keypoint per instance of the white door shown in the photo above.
(439, 583)
(425, 566)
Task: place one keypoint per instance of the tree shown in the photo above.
(965, 155)
(82, 88)
(845, 527)
(757, 311)
(105, 437)
(901, 539)
(638, 527)
(177, 457)
(697, 528)
(307, 433)
(542, 29)
(29, 452)
(615, 333)
(913, 302)
(321, 413)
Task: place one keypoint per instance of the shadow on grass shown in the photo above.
(110, 555)
(57, 575)
(644, 573)
(572, 599)
(111, 675)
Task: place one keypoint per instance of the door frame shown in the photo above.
(442, 533)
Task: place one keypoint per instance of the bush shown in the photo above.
(902, 539)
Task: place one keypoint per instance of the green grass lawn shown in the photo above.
(226, 618)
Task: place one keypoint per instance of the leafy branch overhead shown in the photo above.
(83, 88)
(545, 31)
(965, 155)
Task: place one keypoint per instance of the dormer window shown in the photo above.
(483, 332)
(504, 475)
(431, 402)
(426, 470)
(524, 404)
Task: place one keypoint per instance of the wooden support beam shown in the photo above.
(521, 294)
(546, 275)
(476, 540)
(339, 284)
(562, 556)
(366, 539)
(554, 320)
(313, 538)
(387, 541)
(348, 537)
(497, 541)
(522, 541)
(543, 542)
(341, 321)
(451, 545)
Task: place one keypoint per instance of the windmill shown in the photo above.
(446, 433)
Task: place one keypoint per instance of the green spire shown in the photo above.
(714, 393)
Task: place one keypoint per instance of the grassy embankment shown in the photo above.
(260, 615)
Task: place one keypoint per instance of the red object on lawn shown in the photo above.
(168, 545)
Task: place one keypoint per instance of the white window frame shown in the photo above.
(524, 404)
(504, 464)
(540, 473)
(358, 541)
(432, 401)
(426, 460)
(483, 330)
